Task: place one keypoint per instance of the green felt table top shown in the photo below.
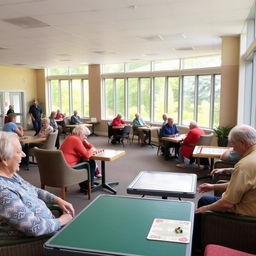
(115, 225)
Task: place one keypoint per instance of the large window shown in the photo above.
(69, 95)
(69, 90)
(163, 86)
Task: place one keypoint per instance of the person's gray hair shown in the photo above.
(45, 120)
(81, 129)
(52, 115)
(193, 123)
(243, 133)
(6, 144)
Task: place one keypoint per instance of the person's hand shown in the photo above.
(220, 170)
(202, 209)
(205, 187)
(65, 206)
(65, 218)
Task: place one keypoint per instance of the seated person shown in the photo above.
(165, 117)
(75, 119)
(55, 127)
(117, 121)
(45, 129)
(59, 115)
(77, 149)
(240, 193)
(23, 210)
(189, 142)
(170, 130)
(139, 122)
(11, 125)
(229, 156)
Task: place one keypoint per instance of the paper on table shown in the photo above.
(164, 230)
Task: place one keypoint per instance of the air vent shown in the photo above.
(184, 49)
(154, 38)
(26, 22)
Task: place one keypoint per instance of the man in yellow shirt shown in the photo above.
(240, 192)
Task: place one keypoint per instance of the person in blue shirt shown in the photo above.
(139, 122)
(35, 112)
(170, 130)
(11, 125)
(75, 119)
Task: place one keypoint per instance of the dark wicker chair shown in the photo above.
(26, 246)
(230, 230)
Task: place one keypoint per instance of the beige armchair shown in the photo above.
(55, 172)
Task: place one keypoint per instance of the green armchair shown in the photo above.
(26, 246)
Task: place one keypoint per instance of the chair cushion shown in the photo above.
(217, 250)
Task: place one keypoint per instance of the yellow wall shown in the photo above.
(20, 79)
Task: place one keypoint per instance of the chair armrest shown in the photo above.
(55, 209)
(83, 165)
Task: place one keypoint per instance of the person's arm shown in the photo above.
(206, 187)
(20, 216)
(222, 170)
(220, 205)
(225, 155)
(82, 151)
(19, 131)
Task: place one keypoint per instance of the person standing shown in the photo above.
(10, 110)
(35, 112)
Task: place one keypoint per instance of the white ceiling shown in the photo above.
(114, 31)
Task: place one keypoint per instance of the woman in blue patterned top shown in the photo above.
(23, 209)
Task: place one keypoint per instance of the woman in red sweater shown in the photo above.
(77, 149)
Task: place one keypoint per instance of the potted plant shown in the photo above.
(221, 133)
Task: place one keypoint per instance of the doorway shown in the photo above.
(16, 99)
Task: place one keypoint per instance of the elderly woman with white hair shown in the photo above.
(188, 143)
(77, 149)
(23, 209)
(45, 129)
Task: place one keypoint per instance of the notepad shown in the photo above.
(170, 230)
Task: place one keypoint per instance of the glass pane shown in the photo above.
(119, 96)
(216, 111)
(132, 97)
(86, 98)
(109, 93)
(145, 98)
(113, 68)
(202, 62)
(57, 71)
(78, 70)
(138, 66)
(159, 86)
(76, 92)
(173, 98)
(167, 65)
(188, 99)
(65, 109)
(204, 99)
(55, 94)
